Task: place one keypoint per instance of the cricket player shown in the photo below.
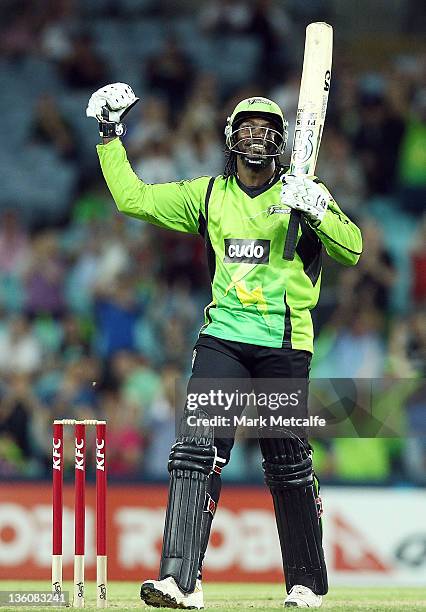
(258, 325)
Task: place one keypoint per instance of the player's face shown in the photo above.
(256, 137)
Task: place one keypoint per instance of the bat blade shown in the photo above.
(311, 111)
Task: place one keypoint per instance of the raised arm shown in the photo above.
(177, 206)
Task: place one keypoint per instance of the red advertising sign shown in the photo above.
(366, 541)
(244, 544)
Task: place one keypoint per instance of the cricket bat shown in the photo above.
(311, 110)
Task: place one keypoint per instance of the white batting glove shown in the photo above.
(305, 195)
(109, 105)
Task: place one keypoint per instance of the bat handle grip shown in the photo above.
(291, 237)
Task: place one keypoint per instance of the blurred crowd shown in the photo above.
(99, 313)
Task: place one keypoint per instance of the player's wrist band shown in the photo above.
(109, 129)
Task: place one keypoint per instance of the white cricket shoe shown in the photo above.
(166, 594)
(302, 597)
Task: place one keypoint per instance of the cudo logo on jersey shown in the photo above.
(244, 250)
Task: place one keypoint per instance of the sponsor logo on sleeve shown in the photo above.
(243, 250)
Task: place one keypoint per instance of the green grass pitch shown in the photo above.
(229, 597)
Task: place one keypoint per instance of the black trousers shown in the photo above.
(215, 358)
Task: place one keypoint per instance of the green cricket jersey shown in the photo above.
(257, 296)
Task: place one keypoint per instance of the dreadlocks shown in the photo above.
(230, 163)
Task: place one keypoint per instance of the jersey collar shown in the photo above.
(253, 192)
